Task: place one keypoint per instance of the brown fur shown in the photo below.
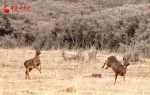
(33, 63)
(116, 66)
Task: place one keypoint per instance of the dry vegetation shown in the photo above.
(60, 77)
(116, 25)
(79, 55)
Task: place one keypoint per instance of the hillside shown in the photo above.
(120, 26)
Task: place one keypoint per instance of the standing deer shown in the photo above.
(33, 63)
(116, 66)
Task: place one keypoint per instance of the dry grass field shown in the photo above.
(61, 77)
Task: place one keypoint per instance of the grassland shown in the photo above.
(61, 77)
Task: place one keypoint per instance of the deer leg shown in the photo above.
(37, 68)
(104, 64)
(27, 73)
(40, 66)
(106, 67)
(116, 77)
(124, 78)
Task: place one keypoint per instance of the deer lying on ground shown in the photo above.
(116, 66)
(33, 63)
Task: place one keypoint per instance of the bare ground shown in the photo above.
(61, 77)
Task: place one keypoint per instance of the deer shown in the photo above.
(33, 63)
(117, 66)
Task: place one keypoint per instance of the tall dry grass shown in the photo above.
(60, 77)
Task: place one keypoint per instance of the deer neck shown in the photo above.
(125, 66)
(37, 56)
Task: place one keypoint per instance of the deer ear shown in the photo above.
(124, 58)
(35, 47)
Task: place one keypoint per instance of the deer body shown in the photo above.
(116, 66)
(32, 63)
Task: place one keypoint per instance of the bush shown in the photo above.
(112, 25)
(7, 42)
(132, 56)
